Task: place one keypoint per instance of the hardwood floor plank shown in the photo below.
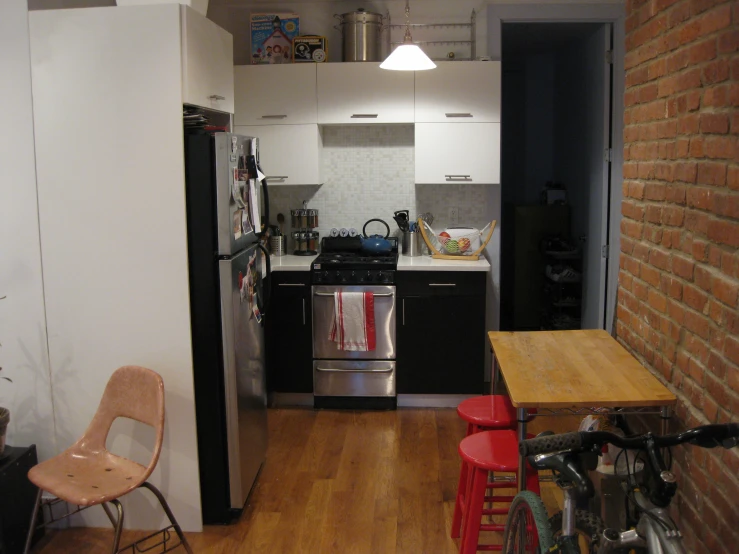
(341, 482)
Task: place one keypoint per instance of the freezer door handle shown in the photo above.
(331, 370)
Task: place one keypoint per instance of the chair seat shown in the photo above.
(494, 410)
(86, 478)
(491, 450)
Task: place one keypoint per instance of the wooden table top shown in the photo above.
(574, 369)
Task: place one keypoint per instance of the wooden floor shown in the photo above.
(339, 482)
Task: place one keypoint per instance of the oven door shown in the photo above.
(323, 310)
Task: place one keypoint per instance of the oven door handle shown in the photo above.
(331, 370)
(380, 294)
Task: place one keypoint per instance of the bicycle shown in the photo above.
(570, 456)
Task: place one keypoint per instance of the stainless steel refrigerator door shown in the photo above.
(245, 380)
(231, 152)
(323, 308)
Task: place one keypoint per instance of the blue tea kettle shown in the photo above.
(376, 244)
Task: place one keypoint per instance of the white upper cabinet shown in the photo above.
(207, 63)
(457, 153)
(361, 92)
(288, 154)
(459, 92)
(283, 94)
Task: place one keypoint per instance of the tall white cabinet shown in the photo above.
(108, 89)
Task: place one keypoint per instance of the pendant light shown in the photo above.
(407, 56)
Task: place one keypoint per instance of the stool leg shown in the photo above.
(461, 499)
(32, 526)
(532, 480)
(473, 519)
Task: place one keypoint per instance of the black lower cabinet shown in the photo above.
(288, 334)
(441, 332)
(17, 498)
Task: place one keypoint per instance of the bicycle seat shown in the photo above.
(572, 468)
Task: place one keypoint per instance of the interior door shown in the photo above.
(598, 104)
(244, 367)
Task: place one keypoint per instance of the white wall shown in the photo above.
(107, 92)
(22, 321)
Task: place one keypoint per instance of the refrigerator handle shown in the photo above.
(266, 281)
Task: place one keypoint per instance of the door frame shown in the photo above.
(497, 14)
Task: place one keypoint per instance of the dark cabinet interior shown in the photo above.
(441, 332)
(288, 334)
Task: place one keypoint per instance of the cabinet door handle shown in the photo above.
(458, 177)
(442, 284)
(458, 114)
(277, 177)
(216, 97)
(403, 312)
(291, 284)
(364, 116)
(275, 116)
(303, 311)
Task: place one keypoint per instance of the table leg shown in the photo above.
(665, 419)
(495, 373)
(522, 416)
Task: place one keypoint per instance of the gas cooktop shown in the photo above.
(343, 262)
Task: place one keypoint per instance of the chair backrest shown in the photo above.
(133, 392)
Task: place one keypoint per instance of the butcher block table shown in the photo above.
(573, 373)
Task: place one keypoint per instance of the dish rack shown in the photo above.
(457, 248)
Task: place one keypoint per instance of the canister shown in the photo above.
(277, 245)
(411, 243)
(360, 36)
(312, 219)
(313, 241)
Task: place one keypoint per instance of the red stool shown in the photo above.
(484, 452)
(493, 411)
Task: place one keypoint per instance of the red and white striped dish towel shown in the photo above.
(353, 325)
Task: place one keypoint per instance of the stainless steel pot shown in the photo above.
(360, 33)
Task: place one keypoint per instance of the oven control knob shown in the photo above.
(317, 277)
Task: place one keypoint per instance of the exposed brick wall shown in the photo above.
(679, 266)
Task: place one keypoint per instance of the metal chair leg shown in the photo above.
(109, 514)
(118, 526)
(170, 515)
(32, 526)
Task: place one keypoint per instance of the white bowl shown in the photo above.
(200, 6)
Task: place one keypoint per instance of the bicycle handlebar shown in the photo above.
(706, 436)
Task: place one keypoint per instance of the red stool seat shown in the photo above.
(484, 452)
(493, 411)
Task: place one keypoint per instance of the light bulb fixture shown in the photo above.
(407, 56)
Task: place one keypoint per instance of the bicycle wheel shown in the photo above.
(527, 529)
(588, 527)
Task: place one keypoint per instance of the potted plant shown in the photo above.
(4, 416)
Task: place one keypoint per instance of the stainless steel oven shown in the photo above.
(350, 374)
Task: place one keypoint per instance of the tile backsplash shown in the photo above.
(368, 173)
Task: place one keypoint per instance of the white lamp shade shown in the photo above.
(408, 57)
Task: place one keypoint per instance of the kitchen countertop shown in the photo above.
(405, 263)
(291, 263)
(427, 263)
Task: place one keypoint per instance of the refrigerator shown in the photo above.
(227, 300)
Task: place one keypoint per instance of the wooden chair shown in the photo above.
(86, 474)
